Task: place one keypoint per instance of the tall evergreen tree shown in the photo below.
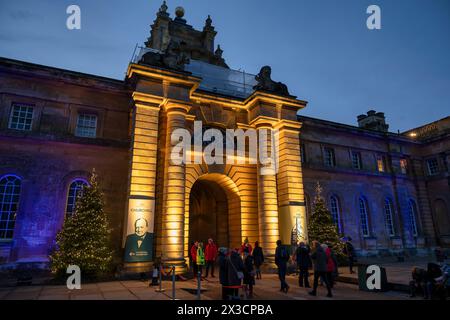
(84, 238)
(321, 226)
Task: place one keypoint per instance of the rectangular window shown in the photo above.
(86, 126)
(21, 117)
(356, 160)
(403, 166)
(330, 160)
(381, 167)
(433, 167)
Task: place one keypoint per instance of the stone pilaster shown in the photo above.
(172, 228)
(267, 197)
(291, 200)
(142, 175)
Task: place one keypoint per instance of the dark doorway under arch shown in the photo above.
(208, 213)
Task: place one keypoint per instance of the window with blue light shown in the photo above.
(388, 213)
(413, 213)
(86, 126)
(21, 117)
(9, 202)
(74, 191)
(364, 218)
(335, 216)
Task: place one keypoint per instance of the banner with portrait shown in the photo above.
(139, 235)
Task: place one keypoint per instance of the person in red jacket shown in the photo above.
(246, 247)
(331, 266)
(194, 258)
(210, 256)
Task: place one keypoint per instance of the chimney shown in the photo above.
(373, 121)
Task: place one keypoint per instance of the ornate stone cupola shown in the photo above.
(195, 44)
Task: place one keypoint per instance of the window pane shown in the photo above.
(334, 204)
(86, 126)
(356, 160)
(433, 167)
(363, 217)
(388, 209)
(74, 190)
(9, 200)
(21, 117)
(412, 217)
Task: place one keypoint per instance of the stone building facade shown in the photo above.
(387, 191)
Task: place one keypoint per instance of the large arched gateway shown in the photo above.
(241, 197)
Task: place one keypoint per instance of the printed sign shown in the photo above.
(139, 240)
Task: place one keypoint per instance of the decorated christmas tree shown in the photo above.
(321, 226)
(84, 238)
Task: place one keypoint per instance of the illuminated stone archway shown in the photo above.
(223, 197)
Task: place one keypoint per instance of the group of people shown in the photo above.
(240, 267)
(237, 266)
(320, 258)
(200, 257)
(434, 282)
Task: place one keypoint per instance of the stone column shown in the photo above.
(172, 229)
(267, 198)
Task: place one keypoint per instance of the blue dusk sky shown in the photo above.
(321, 49)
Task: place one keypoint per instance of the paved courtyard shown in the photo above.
(266, 289)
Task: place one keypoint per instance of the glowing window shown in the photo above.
(9, 201)
(403, 166)
(381, 164)
(74, 190)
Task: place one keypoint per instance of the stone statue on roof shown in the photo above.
(265, 83)
(172, 58)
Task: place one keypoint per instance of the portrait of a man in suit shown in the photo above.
(138, 246)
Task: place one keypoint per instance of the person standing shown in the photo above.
(349, 251)
(281, 259)
(246, 247)
(249, 276)
(210, 256)
(194, 258)
(258, 258)
(331, 266)
(200, 257)
(319, 259)
(235, 268)
(223, 272)
(303, 259)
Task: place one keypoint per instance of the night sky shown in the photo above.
(321, 49)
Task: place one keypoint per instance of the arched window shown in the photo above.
(364, 218)
(335, 209)
(9, 201)
(388, 213)
(413, 213)
(75, 187)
